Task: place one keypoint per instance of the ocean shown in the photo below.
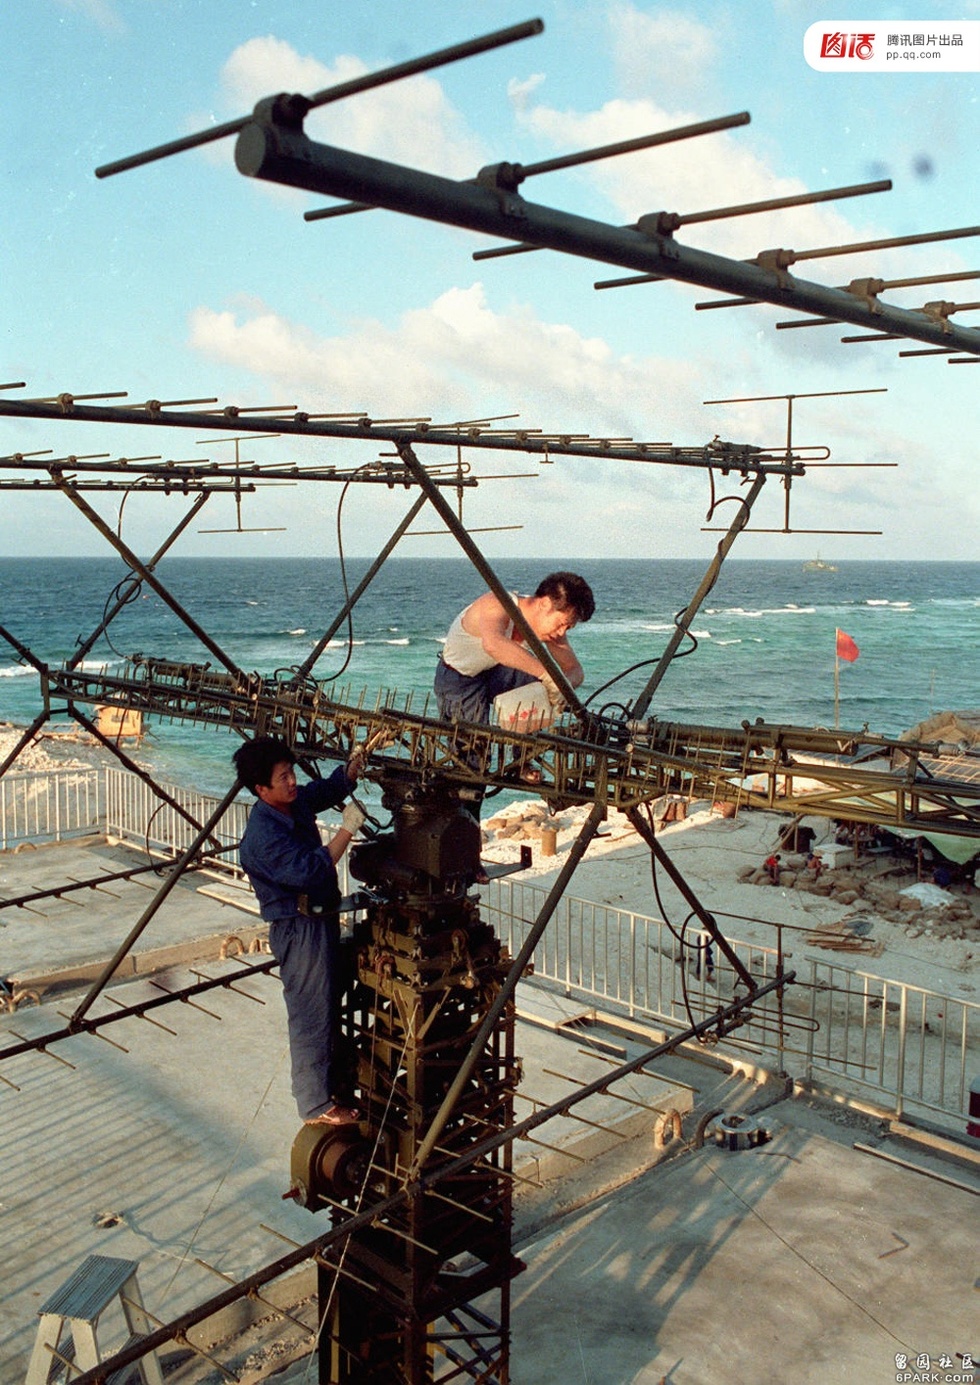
(764, 639)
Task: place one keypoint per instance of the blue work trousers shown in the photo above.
(312, 965)
(469, 697)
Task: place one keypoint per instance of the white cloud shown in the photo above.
(659, 55)
(102, 13)
(664, 50)
(520, 92)
(369, 369)
(458, 358)
(689, 176)
(409, 121)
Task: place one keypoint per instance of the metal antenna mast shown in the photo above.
(432, 1012)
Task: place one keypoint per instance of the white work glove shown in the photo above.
(353, 819)
(554, 693)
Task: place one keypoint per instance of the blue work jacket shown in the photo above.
(282, 855)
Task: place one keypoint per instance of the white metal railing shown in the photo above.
(49, 806)
(906, 1047)
(918, 1047)
(135, 814)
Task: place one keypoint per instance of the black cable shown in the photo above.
(678, 937)
(645, 663)
(118, 596)
(683, 653)
(343, 577)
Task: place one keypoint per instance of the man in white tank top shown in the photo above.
(483, 654)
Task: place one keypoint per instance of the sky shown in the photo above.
(184, 279)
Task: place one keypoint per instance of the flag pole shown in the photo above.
(836, 689)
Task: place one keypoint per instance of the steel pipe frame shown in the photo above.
(137, 1011)
(507, 989)
(145, 571)
(277, 150)
(683, 622)
(187, 857)
(151, 563)
(635, 761)
(459, 532)
(722, 1021)
(714, 456)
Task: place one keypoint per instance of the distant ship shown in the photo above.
(818, 565)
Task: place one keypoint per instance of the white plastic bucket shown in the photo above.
(523, 709)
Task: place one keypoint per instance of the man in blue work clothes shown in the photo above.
(294, 876)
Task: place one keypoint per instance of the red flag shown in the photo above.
(846, 648)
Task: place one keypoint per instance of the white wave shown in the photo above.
(669, 625)
(86, 666)
(726, 642)
(788, 610)
(300, 630)
(396, 641)
(251, 603)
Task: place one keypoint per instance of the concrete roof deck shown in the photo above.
(804, 1259)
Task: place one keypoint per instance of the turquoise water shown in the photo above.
(764, 637)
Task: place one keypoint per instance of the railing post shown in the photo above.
(632, 971)
(903, 1010)
(808, 1069)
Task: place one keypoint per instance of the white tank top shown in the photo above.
(464, 652)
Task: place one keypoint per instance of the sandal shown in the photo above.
(335, 1115)
(523, 774)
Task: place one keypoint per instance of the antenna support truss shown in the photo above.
(785, 768)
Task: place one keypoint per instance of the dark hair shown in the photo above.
(256, 760)
(567, 589)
